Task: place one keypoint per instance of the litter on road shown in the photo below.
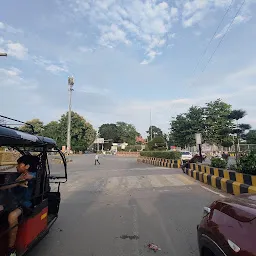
(154, 247)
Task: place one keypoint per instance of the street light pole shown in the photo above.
(70, 89)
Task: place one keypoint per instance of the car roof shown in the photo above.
(12, 137)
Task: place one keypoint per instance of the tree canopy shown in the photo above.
(127, 132)
(251, 137)
(119, 132)
(36, 123)
(213, 121)
(82, 132)
(158, 143)
(156, 132)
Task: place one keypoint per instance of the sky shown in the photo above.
(127, 58)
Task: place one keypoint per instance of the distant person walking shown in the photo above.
(97, 159)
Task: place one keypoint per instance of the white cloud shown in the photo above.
(75, 34)
(49, 65)
(16, 50)
(138, 22)
(238, 20)
(85, 49)
(93, 90)
(12, 77)
(247, 75)
(112, 35)
(9, 29)
(196, 11)
(150, 56)
(131, 22)
(55, 69)
(174, 13)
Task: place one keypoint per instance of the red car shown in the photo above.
(228, 227)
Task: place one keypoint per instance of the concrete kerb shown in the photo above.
(228, 181)
(160, 162)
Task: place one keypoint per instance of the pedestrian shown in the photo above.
(97, 159)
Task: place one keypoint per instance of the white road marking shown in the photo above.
(133, 182)
(112, 183)
(173, 180)
(219, 194)
(155, 182)
(146, 181)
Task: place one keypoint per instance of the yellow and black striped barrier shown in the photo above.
(160, 162)
(228, 181)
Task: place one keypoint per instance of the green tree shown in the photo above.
(195, 124)
(211, 121)
(227, 142)
(127, 132)
(217, 121)
(37, 125)
(156, 132)
(109, 132)
(179, 131)
(251, 137)
(239, 129)
(185, 126)
(52, 130)
(82, 132)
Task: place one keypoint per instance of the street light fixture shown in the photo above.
(70, 89)
(3, 54)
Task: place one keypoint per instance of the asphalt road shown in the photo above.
(118, 207)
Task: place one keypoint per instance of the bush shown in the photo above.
(133, 148)
(158, 143)
(173, 155)
(233, 167)
(247, 163)
(218, 162)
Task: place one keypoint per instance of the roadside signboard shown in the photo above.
(198, 138)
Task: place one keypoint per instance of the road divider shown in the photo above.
(160, 162)
(228, 181)
(126, 154)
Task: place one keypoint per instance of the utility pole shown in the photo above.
(70, 89)
(98, 146)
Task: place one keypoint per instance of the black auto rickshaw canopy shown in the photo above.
(12, 137)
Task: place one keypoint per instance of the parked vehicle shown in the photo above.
(186, 155)
(228, 227)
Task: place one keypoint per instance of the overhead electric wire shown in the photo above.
(221, 40)
(209, 43)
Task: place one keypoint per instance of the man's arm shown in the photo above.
(9, 186)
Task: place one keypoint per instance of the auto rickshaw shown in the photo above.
(45, 202)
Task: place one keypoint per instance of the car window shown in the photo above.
(185, 153)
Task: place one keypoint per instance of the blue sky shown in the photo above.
(127, 57)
